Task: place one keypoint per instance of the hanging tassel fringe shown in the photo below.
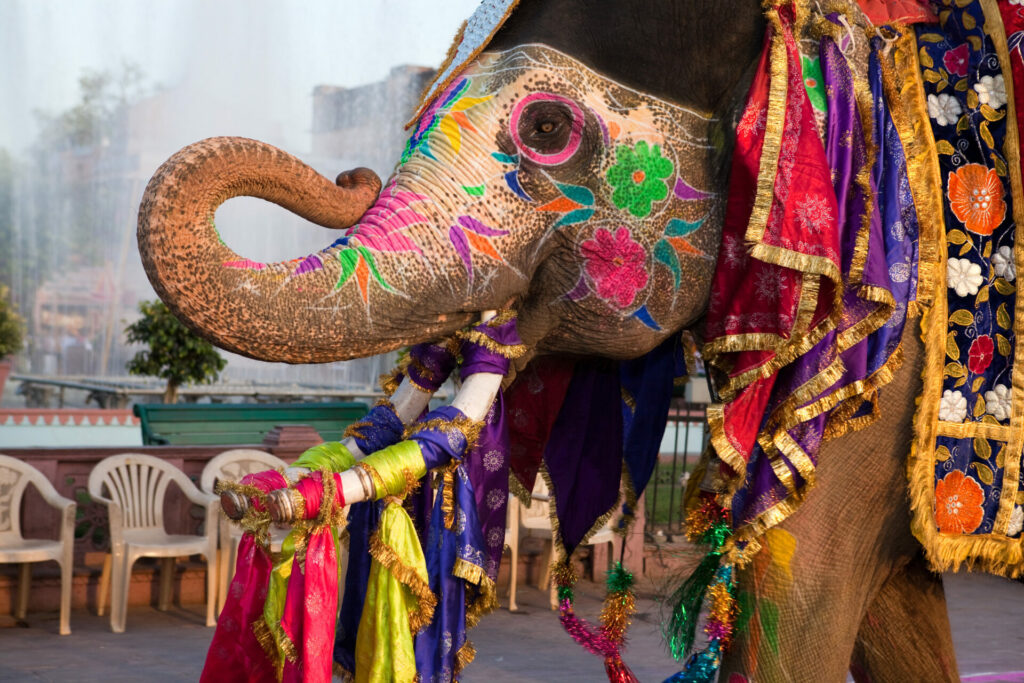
(712, 584)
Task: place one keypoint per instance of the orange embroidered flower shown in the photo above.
(958, 504)
(976, 198)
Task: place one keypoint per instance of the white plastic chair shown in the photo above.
(232, 466)
(525, 522)
(132, 486)
(536, 521)
(15, 476)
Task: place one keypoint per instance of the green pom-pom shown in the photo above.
(619, 580)
(565, 593)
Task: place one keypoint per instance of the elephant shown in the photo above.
(536, 179)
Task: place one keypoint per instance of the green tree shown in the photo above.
(175, 353)
(12, 327)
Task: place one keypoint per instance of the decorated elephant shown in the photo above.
(801, 185)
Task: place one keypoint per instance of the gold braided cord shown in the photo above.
(426, 600)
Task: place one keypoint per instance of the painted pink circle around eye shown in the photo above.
(575, 131)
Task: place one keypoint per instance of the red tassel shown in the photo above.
(617, 671)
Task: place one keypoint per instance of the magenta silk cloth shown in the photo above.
(235, 654)
(311, 605)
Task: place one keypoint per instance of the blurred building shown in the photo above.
(367, 123)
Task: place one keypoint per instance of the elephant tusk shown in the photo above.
(474, 399)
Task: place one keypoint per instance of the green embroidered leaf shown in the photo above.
(961, 86)
(925, 58)
(982, 296)
(1003, 344)
(999, 164)
(942, 454)
(975, 42)
(982, 450)
(1001, 458)
(986, 135)
(954, 370)
(964, 122)
(962, 317)
(1003, 317)
(931, 38)
(577, 193)
(956, 236)
(987, 251)
(960, 382)
(972, 99)
(952, 350)
(991, 114)
(944, 147)
(680, 228)
(977, 385)
(931, 76)
(475, 190)
(1004, 287)
(665, 254)
(979, 407)
(348, 258)
(969, 23)
(984, 471)
(368, 257)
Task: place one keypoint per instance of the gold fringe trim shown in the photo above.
(517, 489)
(266, 641)
(464, 657)
(426, 600)
(556, 529)
(253, 521)
(477, 337)
(448, 495)
(470, 429)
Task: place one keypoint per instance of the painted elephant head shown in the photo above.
(587, 190)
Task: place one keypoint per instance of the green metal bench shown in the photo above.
(214, 424)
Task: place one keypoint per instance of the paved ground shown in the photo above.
(987, 614)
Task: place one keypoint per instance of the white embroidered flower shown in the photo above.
(1017, 516)
(963, 276)
(997, 402)
(899, 272)
(1002, 261)
(1017, 2)
(991, 91)
(953, 406)
(944, 108)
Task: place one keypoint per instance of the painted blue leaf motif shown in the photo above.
(505, 158)
(644, 316)
(576, 216)
(666, 255)
(578, 194)
(512, 179)
(681, 228)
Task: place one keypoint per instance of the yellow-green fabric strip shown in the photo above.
(331, 454)
(273, 608)
(391, 464)
(384, 645)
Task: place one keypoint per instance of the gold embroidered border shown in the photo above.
(470, 429)
(993, 553)
(556, 529)
(904, 89)
(510, 351)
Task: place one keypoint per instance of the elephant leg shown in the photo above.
(905, 634)
(804, 595)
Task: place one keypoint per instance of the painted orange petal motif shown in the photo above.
(683, 246)
(363, 277)
(483, 245)
(976, 198)
(561, 205)
(958, 502)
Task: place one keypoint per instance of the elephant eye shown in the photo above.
(547, 128)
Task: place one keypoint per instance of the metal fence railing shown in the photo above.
(686, 434)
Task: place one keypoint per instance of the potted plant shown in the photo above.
(174, 353)
(12, 334)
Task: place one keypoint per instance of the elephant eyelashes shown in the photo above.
(546, 128)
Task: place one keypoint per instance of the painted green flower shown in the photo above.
(638, 177)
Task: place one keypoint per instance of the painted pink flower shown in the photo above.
(617, 264)
(955, 60)
(382, 227)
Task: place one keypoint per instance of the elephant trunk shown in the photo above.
(288, 311)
